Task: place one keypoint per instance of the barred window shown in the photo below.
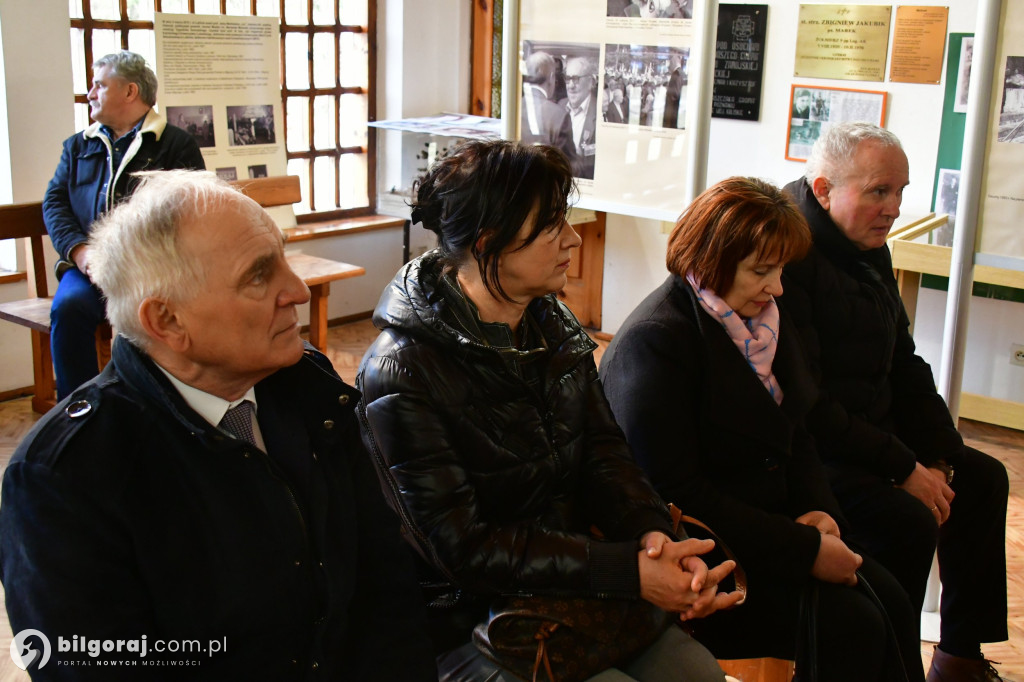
(328, 52)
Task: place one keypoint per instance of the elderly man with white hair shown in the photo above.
(900, 470)
(210, 485)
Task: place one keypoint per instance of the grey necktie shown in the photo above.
(238, 422)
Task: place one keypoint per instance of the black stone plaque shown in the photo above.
(739, 61)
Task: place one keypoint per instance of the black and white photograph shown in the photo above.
(946, 194)
(1011, 112)
(813, 110)
(258, 171)
(963, 75)
(197, 121)
(651, 9)
(560, 106)
(652, 81)
(227, 173)
(251, 124)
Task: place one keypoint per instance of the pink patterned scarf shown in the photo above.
(756, 338)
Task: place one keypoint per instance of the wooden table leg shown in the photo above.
(318, 294)
(42, 370)
(909, 284)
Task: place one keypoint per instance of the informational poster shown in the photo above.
(918, 42)
(739, 61)
(812, 110)
(608, 82)
(1001, 230)
(220, 81)
(848, 42)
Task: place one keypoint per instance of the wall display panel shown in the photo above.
(739, 61)
(812, 110)
(220, 81)
(1001, 234)
(847, 42)
(619, 101)
(918, 43)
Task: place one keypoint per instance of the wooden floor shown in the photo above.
(346, 344)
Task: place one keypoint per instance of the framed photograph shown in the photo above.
(946, 193)
(814, 109)
(963, 75)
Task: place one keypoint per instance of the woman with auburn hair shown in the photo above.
(707, 380)
(485, 418)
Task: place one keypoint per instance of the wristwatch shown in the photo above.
(947, 469)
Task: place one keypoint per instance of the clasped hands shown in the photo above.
(675, 578)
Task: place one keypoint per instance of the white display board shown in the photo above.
(633, 161)
(220, 80)
(1001, 233)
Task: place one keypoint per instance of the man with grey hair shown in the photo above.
(210, 486)
(883, 431)
(580, 88)
(542, 121)
(93, 175)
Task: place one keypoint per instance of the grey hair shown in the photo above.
(589, 66)
(133, 68)
(833, 152)
(135, 250)
(539, 66)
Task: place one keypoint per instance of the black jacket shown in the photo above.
(139, 518)
(712, 439)
(499, 484)
(879, 410)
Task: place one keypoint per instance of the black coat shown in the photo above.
(878, 410)
(499, 483)
(137, 517)
(712, 439)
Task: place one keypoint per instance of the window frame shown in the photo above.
(87, 24)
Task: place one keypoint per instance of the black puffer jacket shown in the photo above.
(499, 484)
(879, 410)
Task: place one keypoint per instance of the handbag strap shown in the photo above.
(542, 636)
(863, 583)
(739, 575)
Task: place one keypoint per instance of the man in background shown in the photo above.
(93, 175)
(580, 84)
(542, 120)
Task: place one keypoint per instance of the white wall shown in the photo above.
(634, 250)
(37, 106)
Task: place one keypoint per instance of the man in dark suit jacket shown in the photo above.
(674, 93)
(210, 486)
(542, 121)
(618, 107)
(580, 84)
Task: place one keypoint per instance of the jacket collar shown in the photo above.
(417, 303)
(153, 123)
(311, 381)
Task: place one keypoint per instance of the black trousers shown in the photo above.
(852, 639)
(901, 533)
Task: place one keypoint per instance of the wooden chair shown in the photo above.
(758, 669)
(25, 221)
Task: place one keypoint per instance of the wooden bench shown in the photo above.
(25, 221)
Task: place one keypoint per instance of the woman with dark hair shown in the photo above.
(486, 421)
(707, 379)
